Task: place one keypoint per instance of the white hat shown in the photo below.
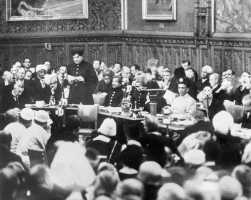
(42, 116)
(27, 114)
(222, 122)
(41, 67)
(195, 157)
(108, 127)
(208, 69)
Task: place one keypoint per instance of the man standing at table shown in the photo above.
(85, 82)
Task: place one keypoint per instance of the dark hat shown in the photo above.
(131, 156)
(184, 81)
(79, 52)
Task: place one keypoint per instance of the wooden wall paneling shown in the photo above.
(144, 57)
(57, 56)
(95, 51)
(238, 64)
(228, 59)
(38, 54)
(152, 53)
(136, 55)
(247, 61)
(19, 53)
(194, 57)
(5, 63)
(168, 57)
(185, 54)
(160, 54)
(218, 60)
(177, 56)
(128, 55)
(205, 60)
(114, 54)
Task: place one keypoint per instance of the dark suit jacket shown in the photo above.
(215, 107)
(173, 86)
(10, 102)
(239, 94)
(180, 73)
(39, 93)
(200, 85)
(246, 121)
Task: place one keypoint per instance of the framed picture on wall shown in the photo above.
(159, 9)
(26, 10)
(231, 18)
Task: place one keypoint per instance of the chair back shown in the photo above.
(88, 113)
(236, 111)
(37, 157)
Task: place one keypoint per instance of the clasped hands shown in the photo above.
(80, 79)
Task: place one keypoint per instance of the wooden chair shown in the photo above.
(37, 157)
(88, 115)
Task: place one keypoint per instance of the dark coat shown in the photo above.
(10, 102)
(82, 92)
(193, 90)
(246, 121)
(215, 107)
(6, 157)
(222, 95)
(103, 87)
(200, 85)
(173, 86)
(39, 93)
(239, 94)
(180, 73)
(114, 97)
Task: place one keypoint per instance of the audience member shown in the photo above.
(241, 91)
(14, 99)
(18, 129)
(105, 85)
(183, 106)
(6, 156)
(115, 95)
(180, 71)
(39, 90)
(192, 87)
(117, 68)
(246, 119)
(134, 70)
(206, 71)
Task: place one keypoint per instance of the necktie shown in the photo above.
(42, 82)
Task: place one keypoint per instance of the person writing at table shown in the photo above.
(115, 95)
(246, 120)
(85, 80)
(183, 106)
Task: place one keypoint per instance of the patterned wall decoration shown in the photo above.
(170, 51)
(104, 15)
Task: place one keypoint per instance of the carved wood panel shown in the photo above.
(19, 53)
(5, 63)
(95, 51)
(114, 54)
(247, 60)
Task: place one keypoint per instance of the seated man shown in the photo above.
(12, 100)
(40, 91)
(36, 136)
(209, 102)
(183, 106)
(204, 81)
(246, 120)
(105, 84)
(115, 95)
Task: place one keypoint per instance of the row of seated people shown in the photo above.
(114, 81)
(208, 162)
